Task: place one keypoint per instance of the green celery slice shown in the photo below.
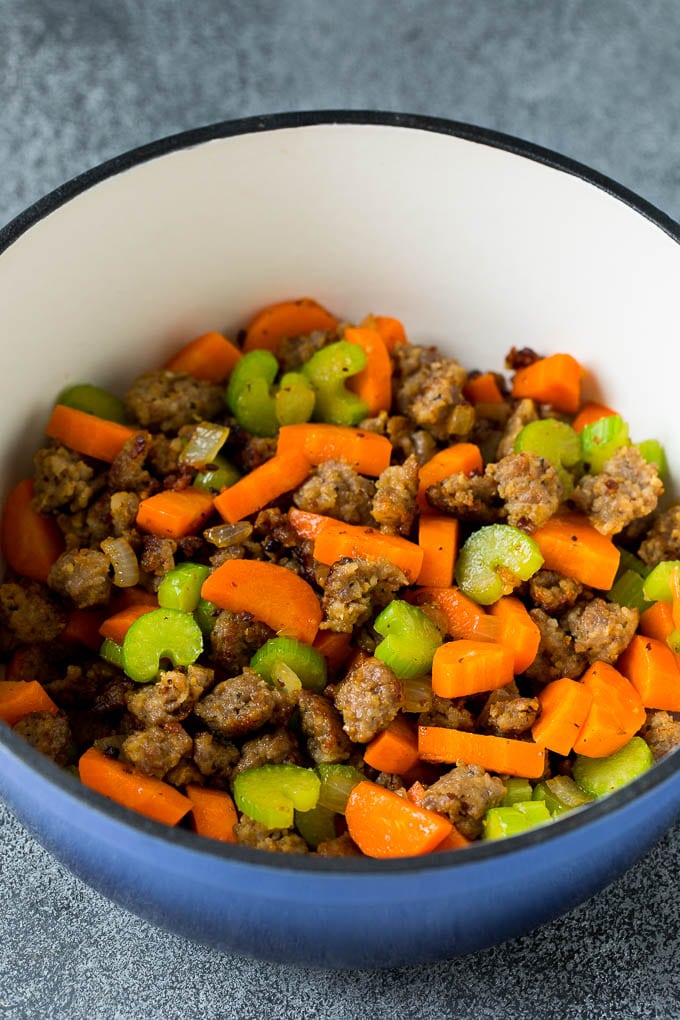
(160, 634)
(270, 794)
(600, 776)
(601, 439)
(494, 560)
(305, 661)
(410, 639)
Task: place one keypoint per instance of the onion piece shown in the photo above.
(205, 443)
(123, 560)
(224, 535)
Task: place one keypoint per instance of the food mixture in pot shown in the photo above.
(322, 590)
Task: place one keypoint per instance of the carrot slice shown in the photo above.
(116, 626)
(554, 380)
(385, 825)
(279, 474)
(374, 383)
(88, 434)
(438, 538)
(31, 542)
(496, 754)
(337, 541)
(126, 785)
(271, 593)
(21, 697)
(590, 413)
(367, 452)
(334, 646)
(394, 749)
(175, 513)
(391, 330)
(483, 389)
(565, 705)
(465, 618)
(461, 458)
(272, 324)
(652, 668)
(309, 525)
(82, 628)
(570, 545)
(212, 812)
(517, 630)
(464, 667)
(210, 357)
(616, 712)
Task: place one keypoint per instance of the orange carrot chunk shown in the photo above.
(564, 704)
(374, 382)
(483, 389)
(590, 413)
(335, 542)
(271, 593)
(616, 712)
(395, 749)
(126, 785)
(88, 434)
(438, 538)
(279, 474)
(496, 754)
(652, 668)
(570, 545)
(391, 330)
(82, 628)
(461, 458)
(554, 380)
(385, 825)
(21, 697)
(464, 617)
(31, 542)
(334, 646)
(116, 626)
(213, 813)
(517, 630)
(210, 357)
(309, 525)
(175, 513)
(284, 319)
(367, 452)
(464, 667)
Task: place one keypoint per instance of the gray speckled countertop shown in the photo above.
(80, 82)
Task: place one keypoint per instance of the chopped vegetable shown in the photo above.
(565, 705)
(249, 396)
(438, 538)
(653, 670)
(31, 542)
(337, 782)
(516, 790)
(204, 446)
(496, 754)
(338, 540)
(654, 453)
(367, 452)
(561, 794)
(115, 627)
(181, 586)
(218, 476)
(210, 357)
(373, 384)
(394, 749)
(517, 631)
(601, 439)
(501, 822)
(94, 400)
(303, 659)
(657, 584)
(270, 794)
(279, 474)
(465, 618)
(410, 639)
(461, 458)
(600, 776)
(555, 380)
(87, 433)
(589, 413)
(316, 826)
(286, 319)
(556, 442)
(391, 330)
(570, 545)
(132, 788)
(494, 560)
(294, 399)
(328, 371)
(175, 513)
(628, 590)
(157, 635)
(616, 712)
(21, 697)
(464, 667)
(483, 389)
(384, 825)
(291, 606)
(213, 813)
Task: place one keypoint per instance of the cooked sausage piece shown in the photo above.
(254, 834)
(626, 488)
(507, 714)
(356, 589)
(468, 497)
(601, 630)
(368, 698)
(663, 538)
(553, 593)
(82, 575)
(321, 723)
(465, 794)
(214, 756)
(28, 614)
(63, 480)
(157, 749)
(336, 490)
(662, 733)
(268, 749)
(234, 639)
(171, 697)
(165, 401)
(556, 656)
(530, 488)
(394, 504)
(49, 733)
(237, 707)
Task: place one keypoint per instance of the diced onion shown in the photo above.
(123, 560)
(224, 535)
(417, 694)
(285, 677)
(205, 443)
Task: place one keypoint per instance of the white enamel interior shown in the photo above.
(473, 247)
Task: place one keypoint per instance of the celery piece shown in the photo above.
(556, 442)
(327, 371)
(305, 661)
(560, 794)
(160, 634)
(205, 443)
(337, 782)
(600, 776)
(316, 826)
(94, 400)
(218, 475)
(494, 560)
(601, 439)
(673, 641)
(249, 396)
(516, 790)
(500, 822)
(627, 590)
(294, 400)
(657, 584)
(205, 615)
(270, 794)
(112, 652)
(654, 453)
(410, 639)
(181, 587)
(629, 561)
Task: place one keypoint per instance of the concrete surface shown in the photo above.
(81, 82)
